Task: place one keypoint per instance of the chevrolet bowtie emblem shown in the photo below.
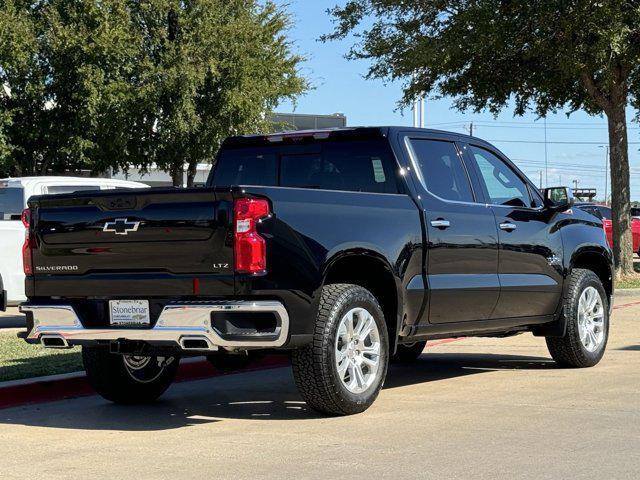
(121, 226)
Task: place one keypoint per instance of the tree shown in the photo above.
(66, 68)
(211, 68)
(99, 84)
(545, 55)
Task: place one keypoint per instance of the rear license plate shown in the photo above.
(129, 312)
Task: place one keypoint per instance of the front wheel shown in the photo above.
(586, 314)
(342, 371)
(128, 379)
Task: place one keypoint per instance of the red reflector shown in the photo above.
(27, 264)
(250, 247)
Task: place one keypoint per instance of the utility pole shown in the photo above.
(606, 176)
(606, 172)
(471, 129)
(540, 179)
(575, 184)
(546, 158)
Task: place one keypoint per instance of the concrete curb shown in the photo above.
(626, 292)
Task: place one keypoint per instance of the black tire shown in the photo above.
(569, 351)
(117, 381)
(409, 352)
(314, 366)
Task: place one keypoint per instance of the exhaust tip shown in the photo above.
(54, 341)
(196, 343)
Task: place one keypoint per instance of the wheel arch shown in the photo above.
(370, 270)
(598, 260)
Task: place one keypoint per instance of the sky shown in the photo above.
(575, 148)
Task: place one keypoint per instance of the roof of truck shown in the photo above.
(54, 180)
(343, 132)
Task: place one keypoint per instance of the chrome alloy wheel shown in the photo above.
(591, 319)
(135, 362)
(357, 350)
(145, 369)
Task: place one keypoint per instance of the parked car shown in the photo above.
(14, 194)
(604, 213)
(348, 248)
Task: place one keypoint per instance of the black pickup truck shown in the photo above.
(349, 248)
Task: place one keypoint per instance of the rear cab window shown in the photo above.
(60, 189)
(348, 165)
(12, 202)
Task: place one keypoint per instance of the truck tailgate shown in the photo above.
(134, 243)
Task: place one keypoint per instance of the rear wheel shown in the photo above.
(408, 352)
(342, 371)
(586, 313)
(128, 379)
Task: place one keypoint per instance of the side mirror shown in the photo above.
(558, 198)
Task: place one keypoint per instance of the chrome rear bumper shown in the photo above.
(188, 326)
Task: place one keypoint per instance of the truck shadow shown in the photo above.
(261, 395)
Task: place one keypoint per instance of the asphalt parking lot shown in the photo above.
(474, 408)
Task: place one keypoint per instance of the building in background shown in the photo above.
(303, 121)
(283, 121)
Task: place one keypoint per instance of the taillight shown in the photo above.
(250, 247)
(27, 263)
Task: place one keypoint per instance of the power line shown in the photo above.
(556, 142)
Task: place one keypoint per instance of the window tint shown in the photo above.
(355, 166)
(247, 166)
(358, 165)
(57, 189)
(440, 169)
(593, 210)
(536, 197)
(605, 212)
(11, 202)
(503, 186)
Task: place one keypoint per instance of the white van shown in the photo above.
(14, 193)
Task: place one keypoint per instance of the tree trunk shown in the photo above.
(177, 174)
(192, 170)
(620, 185)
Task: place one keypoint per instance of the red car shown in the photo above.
(604, 213)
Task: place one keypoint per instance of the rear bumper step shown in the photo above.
(186, 326)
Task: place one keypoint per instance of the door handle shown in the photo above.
(508, 226)
(440, 223)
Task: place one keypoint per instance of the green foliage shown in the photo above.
(544, 55)
(112, 83)
(486, 52)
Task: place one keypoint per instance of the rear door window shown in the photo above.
(440, 169)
